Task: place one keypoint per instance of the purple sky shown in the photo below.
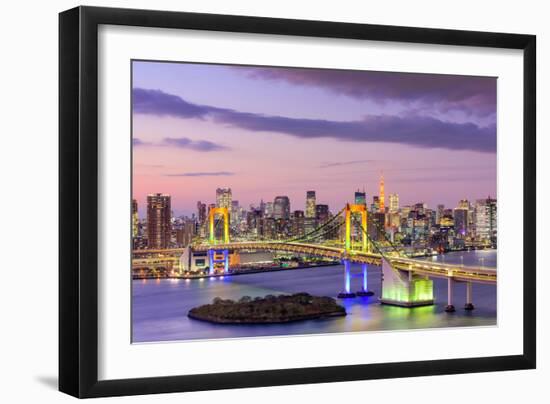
(267, 131)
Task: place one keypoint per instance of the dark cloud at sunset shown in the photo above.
(419, 131)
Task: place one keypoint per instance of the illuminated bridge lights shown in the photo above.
(406, 280)
(417, 292)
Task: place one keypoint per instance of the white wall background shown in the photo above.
(28, 202)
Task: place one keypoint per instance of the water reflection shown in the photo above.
(160, 306)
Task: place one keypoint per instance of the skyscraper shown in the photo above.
(135, 218)
(281, 208)
(375, 206)
(223, 198)
(298, 223)
(321, 214)
(360, 198)
(460, 217)
(310, 204)
(394, 203)
(486, 219)
(184, 235)
(158, 221)
(381, 195)
(439, 213)
(268, 209)
(234, 214)
(201, 212)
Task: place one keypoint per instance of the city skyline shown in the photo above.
(293, 130)
(369, 201)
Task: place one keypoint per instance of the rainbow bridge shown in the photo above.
(405, 281)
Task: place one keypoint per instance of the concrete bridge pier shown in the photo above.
(225, 261)
(365, 291)
(469, 305)
(347, 293)
(212, 261)
(405, 288)
(450, 307)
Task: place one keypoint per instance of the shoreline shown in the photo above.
(277, 269)
(238, 272)
(266, 322)
(271, 309)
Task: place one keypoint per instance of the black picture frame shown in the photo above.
(78, 196)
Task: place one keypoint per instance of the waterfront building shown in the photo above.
(158, 220)
(310, 204)
(281, 208)
(460, 216)
(486, 219)
(135, 219)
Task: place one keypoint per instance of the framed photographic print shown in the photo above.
(251, 201)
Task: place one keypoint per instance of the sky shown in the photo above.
(269, 131)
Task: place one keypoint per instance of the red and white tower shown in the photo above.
(381, 195)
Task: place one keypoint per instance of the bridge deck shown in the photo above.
(457, 272)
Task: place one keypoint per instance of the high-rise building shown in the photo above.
(486, 219)
(439, 213)
(381, 195)
(460, 217)
(298, 223)
(376, 225)
(234, 215)
(281, 208)
(310, 204)
(201, 212)
(223, 198)
(159, 217)
(463, 204)
(135, 219)
(184, 235)
(321, 214)
(360, 198)
(394, 203)
(268, 209)
(420, 208)
(375, 206)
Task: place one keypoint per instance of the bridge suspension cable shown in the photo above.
(309, 235)
(388, 241)
(372, 242)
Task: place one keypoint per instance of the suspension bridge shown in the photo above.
(406, 281)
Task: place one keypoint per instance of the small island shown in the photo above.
(270, 309)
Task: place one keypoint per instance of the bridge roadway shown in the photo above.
(437, 270)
